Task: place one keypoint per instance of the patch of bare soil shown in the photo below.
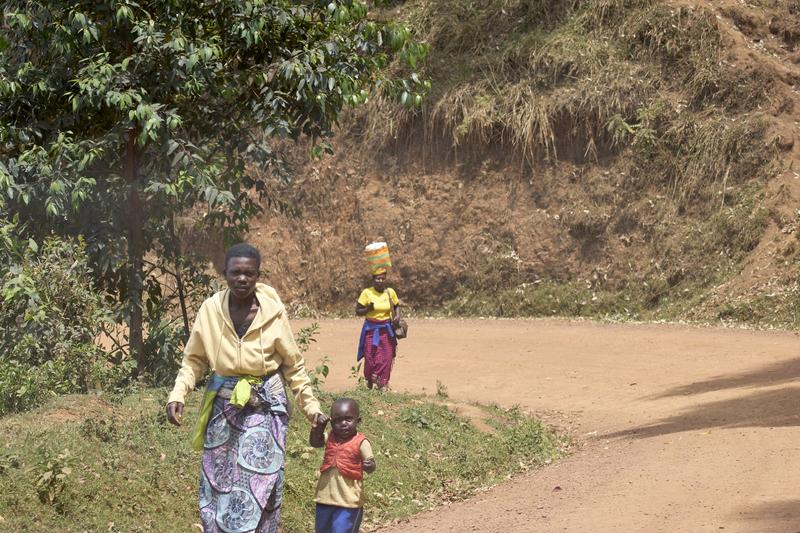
(676, 428)
(476, 416)
(68, 409)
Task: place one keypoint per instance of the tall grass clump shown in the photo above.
(545, 87)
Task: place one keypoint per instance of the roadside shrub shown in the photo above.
(50, 315)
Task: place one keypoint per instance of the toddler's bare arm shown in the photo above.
(316, 437)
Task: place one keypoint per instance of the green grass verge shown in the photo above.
(84, 464)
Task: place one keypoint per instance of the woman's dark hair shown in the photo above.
(243, 250)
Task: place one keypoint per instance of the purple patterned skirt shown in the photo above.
(242, 475)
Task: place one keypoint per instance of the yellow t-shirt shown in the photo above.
(335, 489)
(382, 311)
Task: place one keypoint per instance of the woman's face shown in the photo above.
(379, 281)
(241, 273)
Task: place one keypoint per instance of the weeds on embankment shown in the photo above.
(83, 463)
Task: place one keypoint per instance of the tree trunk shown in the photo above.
(135, 219)
(177, 264)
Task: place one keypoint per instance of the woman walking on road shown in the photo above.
(378, 343)
(242, 334)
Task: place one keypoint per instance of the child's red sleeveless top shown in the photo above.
(345, 456)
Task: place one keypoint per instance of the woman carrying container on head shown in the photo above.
(379, 304)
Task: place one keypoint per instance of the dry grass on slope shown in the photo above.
(545, 82)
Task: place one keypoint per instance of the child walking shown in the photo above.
(348, 454)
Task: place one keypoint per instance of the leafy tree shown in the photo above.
(117, 114)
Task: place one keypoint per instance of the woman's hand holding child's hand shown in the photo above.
(316, 437)
(320, 421)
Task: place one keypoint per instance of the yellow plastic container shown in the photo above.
(378, 257)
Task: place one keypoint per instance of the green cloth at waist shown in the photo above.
(239, 398)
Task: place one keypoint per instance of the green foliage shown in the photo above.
(639, 133)
(120, 449)
(416, 418)
(780, 309)
(201, 87)
(306, 336)
(117, 115)
(356, 373)
(319, 373)
(50, 315)
(545, 298)
(153, 471)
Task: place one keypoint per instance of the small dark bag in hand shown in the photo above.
(399, 325)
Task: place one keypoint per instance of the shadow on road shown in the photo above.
(775, 374)
(775, 516)
(773, 408)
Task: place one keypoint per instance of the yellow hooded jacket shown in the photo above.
(267, 346)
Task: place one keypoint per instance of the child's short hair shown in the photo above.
(346, 401)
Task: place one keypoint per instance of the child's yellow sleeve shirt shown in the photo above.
(335, 489)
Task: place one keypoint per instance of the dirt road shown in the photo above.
(678, 429)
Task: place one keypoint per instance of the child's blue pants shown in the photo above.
(334, 519)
